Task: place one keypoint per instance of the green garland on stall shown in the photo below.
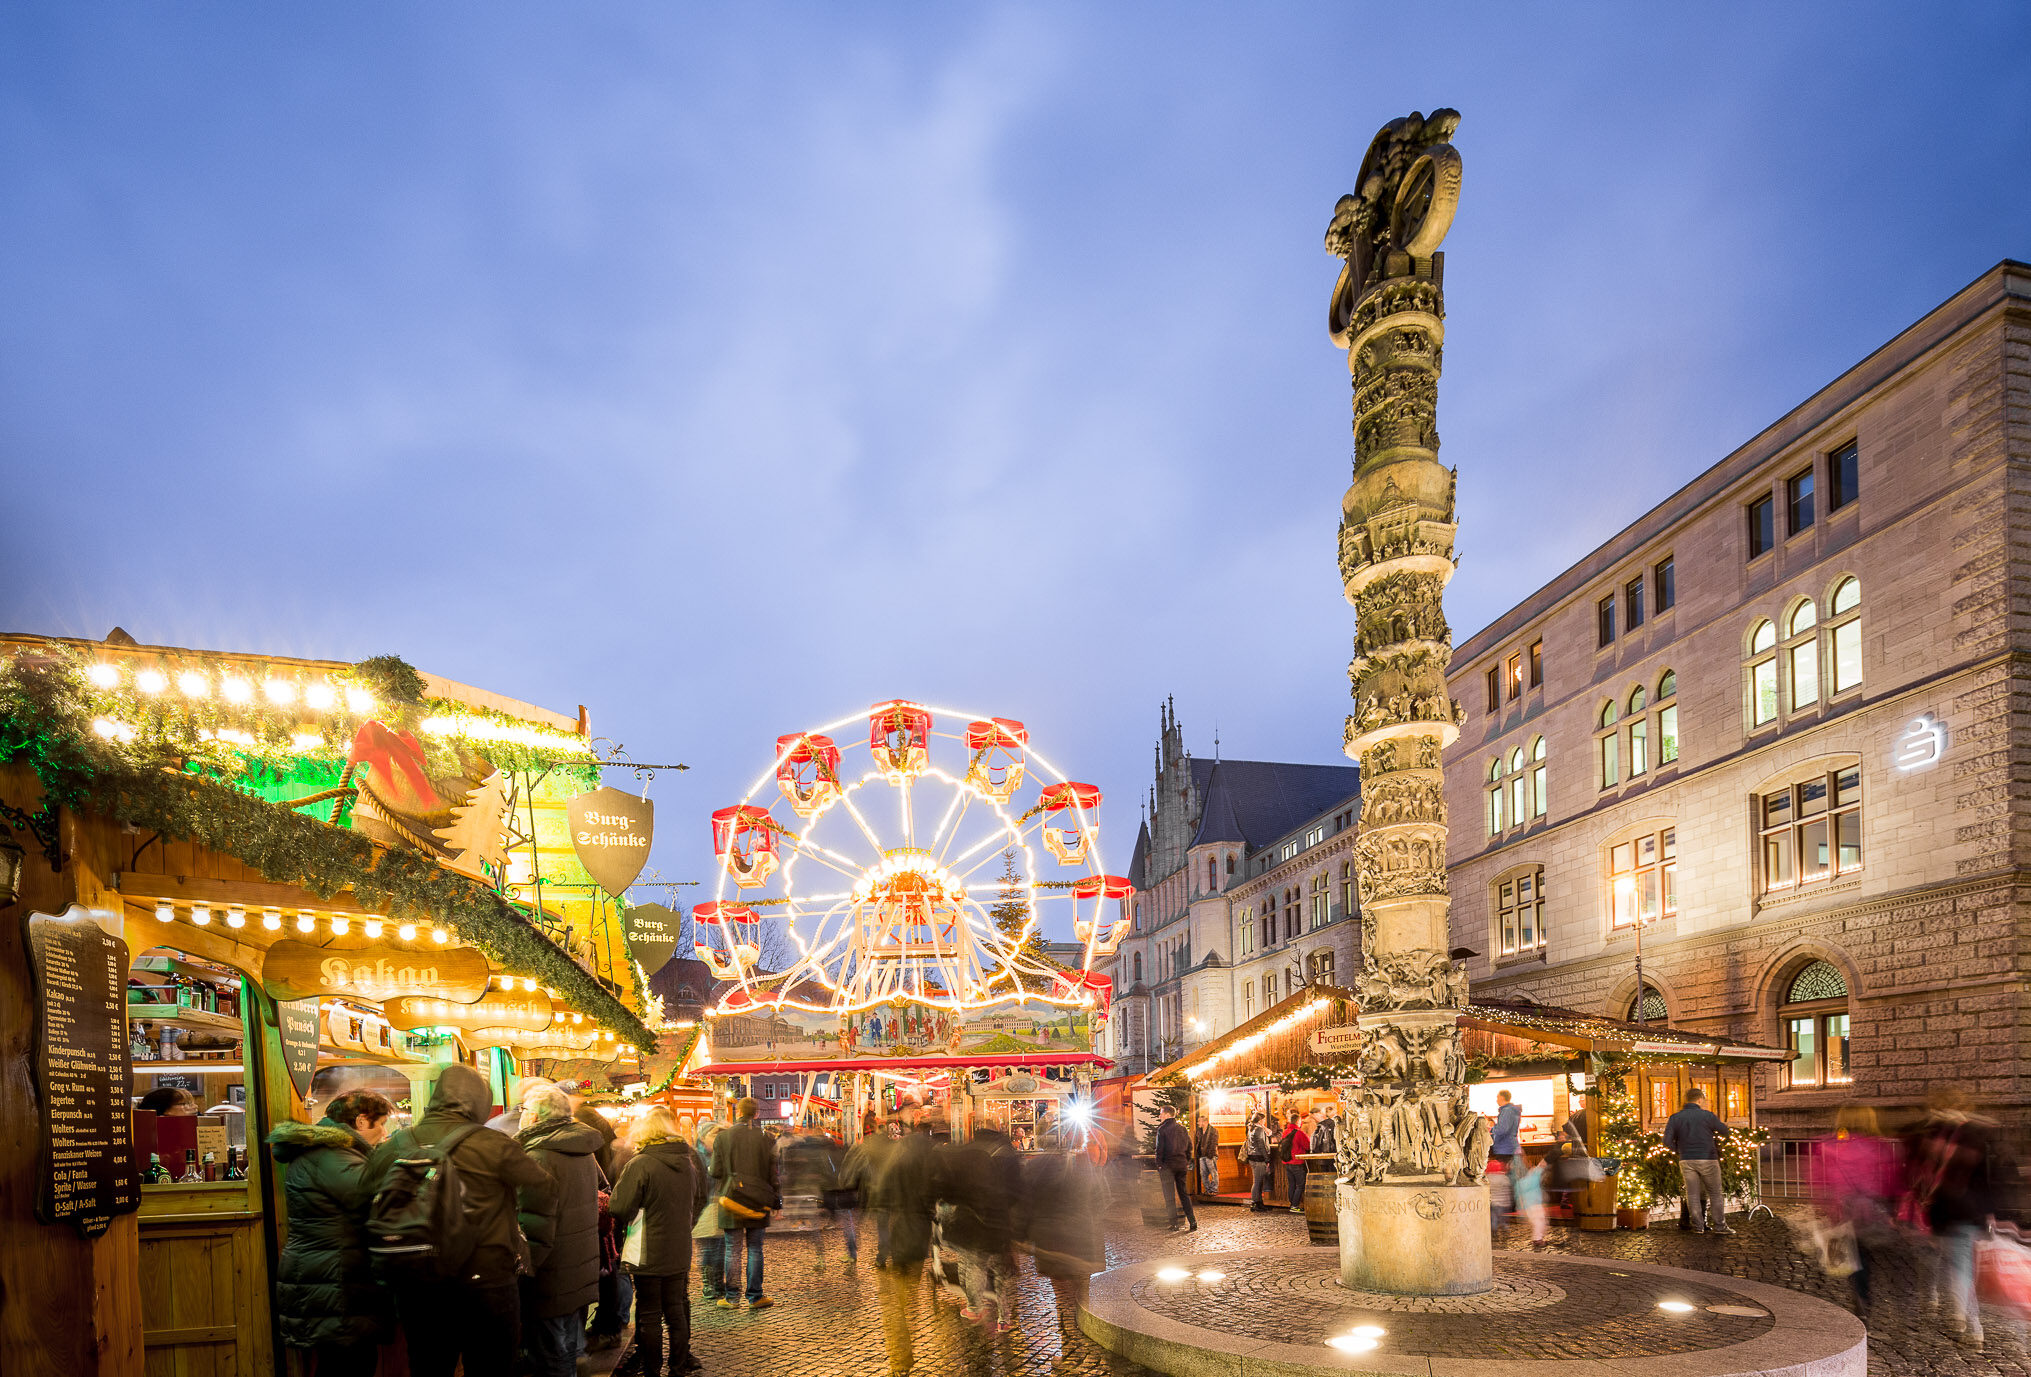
(45, 717)
(1310, 1076)
(1649, 1172)
(1479, 1066)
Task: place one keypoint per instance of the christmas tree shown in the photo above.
(1012, 912)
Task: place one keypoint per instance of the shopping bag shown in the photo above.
(631, 1247)
(2003, 1274)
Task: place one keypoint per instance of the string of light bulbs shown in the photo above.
(304, 921)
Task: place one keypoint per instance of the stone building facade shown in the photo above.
(1777, 727)
(1243, 881)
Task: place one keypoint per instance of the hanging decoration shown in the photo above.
(652, 931)
(611, 831)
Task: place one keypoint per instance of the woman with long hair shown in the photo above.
(657, 1201)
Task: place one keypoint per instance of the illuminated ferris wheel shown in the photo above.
(883, 859)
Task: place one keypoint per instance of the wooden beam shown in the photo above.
(248, 894)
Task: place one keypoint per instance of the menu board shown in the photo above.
(83, 1071)
(297, 1019)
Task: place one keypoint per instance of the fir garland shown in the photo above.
(1310, 1076)
(45, 716)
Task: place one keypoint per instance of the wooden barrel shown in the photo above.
(1149, 1193)
(1594, 1206)
(1322, 1212)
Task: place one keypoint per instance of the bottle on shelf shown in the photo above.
(190, 1171)
(140, 1048)
(234, 1171)
(211, 1167)
(156, 1174)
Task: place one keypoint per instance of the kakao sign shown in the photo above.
(296, 970)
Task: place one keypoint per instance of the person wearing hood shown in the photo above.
(556, 1299)
(661, 1193)
(981, 1180)
(326, 1297)
(476, 1317)
(1065, 1202)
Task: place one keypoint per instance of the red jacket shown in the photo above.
(1295, 1143)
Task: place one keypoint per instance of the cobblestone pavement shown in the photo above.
(827, 1324)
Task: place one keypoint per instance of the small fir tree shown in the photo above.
(1012, 911)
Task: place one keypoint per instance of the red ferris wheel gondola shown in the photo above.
(899, 735)
(996, 746)
(1092, 925)
(809, 772)
(744, 841)
(1068, 828)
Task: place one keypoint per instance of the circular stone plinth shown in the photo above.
(1271, 1312)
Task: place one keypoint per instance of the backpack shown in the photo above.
(418, 1226)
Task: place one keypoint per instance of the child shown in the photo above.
(1501, 1196)
(1530, 1202)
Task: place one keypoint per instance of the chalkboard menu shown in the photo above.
(82, 1073)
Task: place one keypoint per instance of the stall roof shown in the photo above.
(1561, 1030)
(922, 1063)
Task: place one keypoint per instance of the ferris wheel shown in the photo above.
(880, 844)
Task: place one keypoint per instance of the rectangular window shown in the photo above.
(1847, 640)
(1639, 743)
(1805, 674)
(1519, 795)
(1611, 769)
(1667, 734)
(1664, 587)
(1798, 503)
(1537, 664)
(1632, 604)
(1643, 877)
(1660, 1099)
(1268, 923)
(1843, 476)
(1246, 932)
(1802, 1038)
(1763, 693)
(1315, 836)
(1346, 892)
(1537, 791)
(1762, 526)
(1812, 831)
(1515, 677)
(1494, 689)
(1834, 1036)
(1247, 1002)
(1520, 913)
(1607, 620)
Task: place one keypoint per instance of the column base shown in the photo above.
(1416, 1240)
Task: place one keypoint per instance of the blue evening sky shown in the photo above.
(729, 369)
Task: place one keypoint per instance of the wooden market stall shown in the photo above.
(1301, 1053)
(180, 911)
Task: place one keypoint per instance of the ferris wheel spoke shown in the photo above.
(948, 826)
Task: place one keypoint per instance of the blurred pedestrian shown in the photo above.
(1065, 1206)
(905, 1201)
(859, 1173)
(327, 1299)
(566, 1280)
(1695, 1133)
(476, 1316)
(1206, 1148)
(1530, 1188)
(705, 1230)
(657, 1202)
(745, 1173)
(1324, 1134)
(1174, 1165)
(980, 1180)
(1858, 1178)
(1501, 1194)
(1503, 1138)
(1258, 1148)
(1291, 1148)
(509, 1120)
(811, 1162)
(1953, 1187)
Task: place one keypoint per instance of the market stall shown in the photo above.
(220, 913)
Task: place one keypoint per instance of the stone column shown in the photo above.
(1413, 1209)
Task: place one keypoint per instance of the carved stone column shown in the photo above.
(1413, 1209)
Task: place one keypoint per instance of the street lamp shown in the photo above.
(1625, 893)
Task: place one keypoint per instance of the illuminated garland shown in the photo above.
(1650, 1172)
(1310, 1076)
(44, 723)
(1479, 1066)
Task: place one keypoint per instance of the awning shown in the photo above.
(764, 1068)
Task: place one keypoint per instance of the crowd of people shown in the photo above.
(521, 1242)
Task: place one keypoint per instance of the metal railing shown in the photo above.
(1788, 1169)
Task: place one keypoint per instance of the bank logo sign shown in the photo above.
(1920, 744)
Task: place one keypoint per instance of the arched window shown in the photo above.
(1322, 899)
(1244, 932)
(1320, 966)
(1844, 631)
(1230, 862)
(1212, 873)
(1608, 748)
(1667, 718)
(1538, 795)
(1814, 1015)
(1649, 1007)
(1269, 991)
(1801, 655)
(1639, 732)
(1519, 788)
(1248, 1001)
(1138, 968)
(1495, 797)
(1347, 889)
(1760, 674)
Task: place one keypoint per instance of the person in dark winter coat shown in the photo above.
(326, 1297)
(1174, 1167)
(1065, 1204)
(660, 1194)
(981, 1179)
(477, 1316)
(556, 1298)
(1206, 1152)
(902, 1194)
(745, 1153)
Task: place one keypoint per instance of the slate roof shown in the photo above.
(1257, 801)
(1138, 861)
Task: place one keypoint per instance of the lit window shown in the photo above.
(1639, 734)
(1762, 526)
(1519, 787)
(1512, 670)
(1315, 836)
(1762, 674)
(1643, 877)
(1322, 899)
(1347, 889)
(1519, 911)
(1496, 797)
(1815, 1019)
(1247, 1002)
(1844, 631)
(1843, 476)
(1268, 990)
(1801, 654)
(1611, 768)
(1812, 831)
(1667, 718)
